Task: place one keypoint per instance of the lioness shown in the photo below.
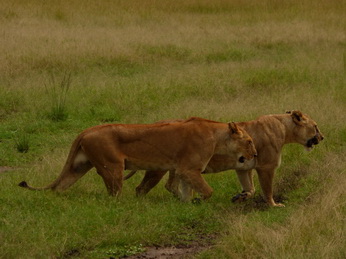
(269, 133)
(185, 147)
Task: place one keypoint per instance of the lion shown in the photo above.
(269, 133)
(185, 147)
(218, 163)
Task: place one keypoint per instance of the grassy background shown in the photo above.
(69, 65)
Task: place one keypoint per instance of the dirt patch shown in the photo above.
(172, 252)
(181, 251)
(4, 169)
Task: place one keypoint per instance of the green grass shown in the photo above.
(69, 65)
(22, 142)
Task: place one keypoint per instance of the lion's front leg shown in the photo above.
(265, 177)
(246, 181)
(185, 191)
(173, 184)
(192, 180)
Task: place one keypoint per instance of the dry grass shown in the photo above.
(316, 229)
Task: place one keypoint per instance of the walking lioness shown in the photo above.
(269, 133)
(185, 147)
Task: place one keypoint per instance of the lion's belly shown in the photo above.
(135, 164)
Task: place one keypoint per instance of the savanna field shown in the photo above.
(69, 65)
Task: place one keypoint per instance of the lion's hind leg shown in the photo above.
(150, 180)
(112, 175)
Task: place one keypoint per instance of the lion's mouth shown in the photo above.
(311, 142)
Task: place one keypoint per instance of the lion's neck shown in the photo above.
(277, 128)
(288, 125)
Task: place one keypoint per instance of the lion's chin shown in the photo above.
(311, 143)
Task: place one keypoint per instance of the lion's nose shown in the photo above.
(255, 155)
(319, 136)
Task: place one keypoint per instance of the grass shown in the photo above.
(314, 229)
(140, 62)
(58, 92)
(22, 142)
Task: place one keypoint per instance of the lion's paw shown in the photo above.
(196, 201)
(278, 205)
(240, 197)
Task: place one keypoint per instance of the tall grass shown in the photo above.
(144, 61)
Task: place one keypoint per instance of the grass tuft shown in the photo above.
(22, 142)
(58, 92)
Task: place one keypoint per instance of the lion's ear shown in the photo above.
(297, 116)
(233, 128)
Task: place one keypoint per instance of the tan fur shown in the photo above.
(185, 147)
(269, 133)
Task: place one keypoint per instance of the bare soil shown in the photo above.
(171, 252)
(181, 251)
(4, 169)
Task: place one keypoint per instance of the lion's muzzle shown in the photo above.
(314, 141)
(242, 159)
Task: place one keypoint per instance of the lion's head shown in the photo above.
(305, 130)
(245, 145)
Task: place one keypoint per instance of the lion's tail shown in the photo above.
(24, 184)
(129, 175)
(70, 158)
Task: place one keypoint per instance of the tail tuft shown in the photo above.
(23, 184)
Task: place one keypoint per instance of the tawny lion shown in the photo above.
(185, 147)
(269, 133)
